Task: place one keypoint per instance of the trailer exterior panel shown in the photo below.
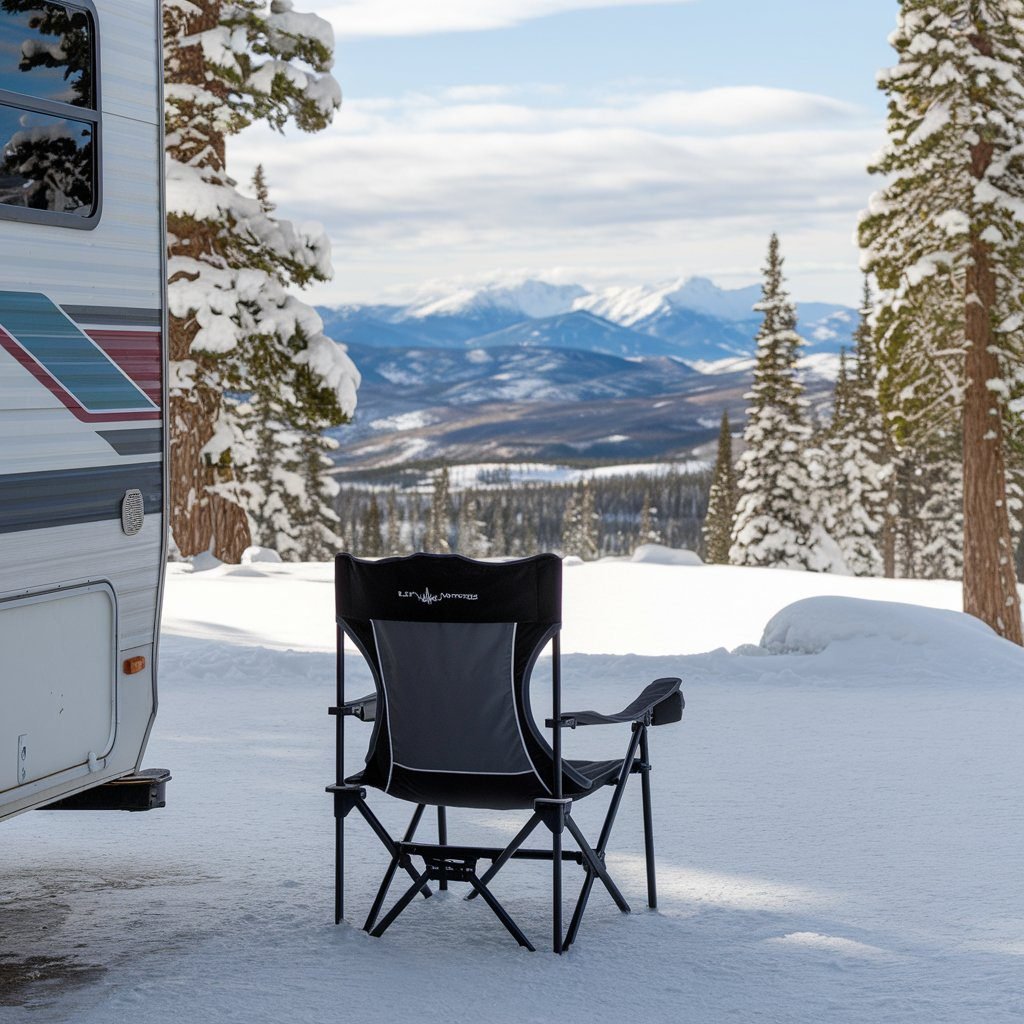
(82, 395)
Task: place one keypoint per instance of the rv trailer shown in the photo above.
(83, 450)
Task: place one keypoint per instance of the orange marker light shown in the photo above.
(132, 666)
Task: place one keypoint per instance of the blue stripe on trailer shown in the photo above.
(40, 501)
(73, 359)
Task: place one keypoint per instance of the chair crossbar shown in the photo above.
(448, 869)
(440, 853)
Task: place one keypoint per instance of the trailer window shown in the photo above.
(49, 113)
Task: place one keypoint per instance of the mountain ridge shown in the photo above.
(691, 318)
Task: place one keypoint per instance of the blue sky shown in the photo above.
(605, 143)
(821, 47)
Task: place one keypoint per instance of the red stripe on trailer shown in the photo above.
(139, 353)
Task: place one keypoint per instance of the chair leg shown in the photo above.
(389, 844)
(442, 838)
(382, 892)
(500, 912)
(556, 890)
(581, 906)
(389, 875)
(521, 837)
(339, 868)
(645, 784)
(410, 894)
(597, 865)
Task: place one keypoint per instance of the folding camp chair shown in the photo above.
(451, 643)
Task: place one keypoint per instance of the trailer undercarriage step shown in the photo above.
(140, 791)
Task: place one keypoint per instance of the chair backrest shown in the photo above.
(451, 643)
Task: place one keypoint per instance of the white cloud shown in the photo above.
(667, 182)
(419, 17)
(487, 108)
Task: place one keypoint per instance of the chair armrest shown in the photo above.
(661, 703)
(365, 708)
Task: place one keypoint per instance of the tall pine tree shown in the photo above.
(439, 523)
(580, 523)
(859, 453)
(722, 500)
(472, 541)
(393, 540)
(774, 522)
(945, 239)
(649, 531)
(372, 540)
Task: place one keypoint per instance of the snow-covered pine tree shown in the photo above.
(774, 522)
(945, 240)
(499, 540)
(580, 523)
(649, 530)
(940, 542)
(869, 423)
(439, 523)
(859, 456)
(372, 539)
(591, 522)
(826, 483)
(471, 539)
(280, 454)
(270, 452)
(571, 523)
(721, 500)
(316, 522)
(228, 65)
(393, 540)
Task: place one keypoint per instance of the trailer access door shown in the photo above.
(61, 645)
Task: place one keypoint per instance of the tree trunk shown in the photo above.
(990, 579)
(889, 547)
(199, 520)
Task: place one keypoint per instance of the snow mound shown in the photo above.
(205, 561)
(258, 554)
(814, 624)
(658, 554)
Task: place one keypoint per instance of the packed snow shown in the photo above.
(837, 821)
(659, 554)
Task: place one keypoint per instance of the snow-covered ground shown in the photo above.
(838, 823)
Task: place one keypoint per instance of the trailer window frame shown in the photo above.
(51, 108)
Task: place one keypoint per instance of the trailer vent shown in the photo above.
(133, 512)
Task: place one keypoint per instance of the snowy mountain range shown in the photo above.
(552, 372)
(690, 318)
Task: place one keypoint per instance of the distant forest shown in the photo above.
(601, 516)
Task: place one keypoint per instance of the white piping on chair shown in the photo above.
(387, 713)
(515, 710)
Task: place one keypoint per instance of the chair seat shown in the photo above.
(596, 774)
(599, 773)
